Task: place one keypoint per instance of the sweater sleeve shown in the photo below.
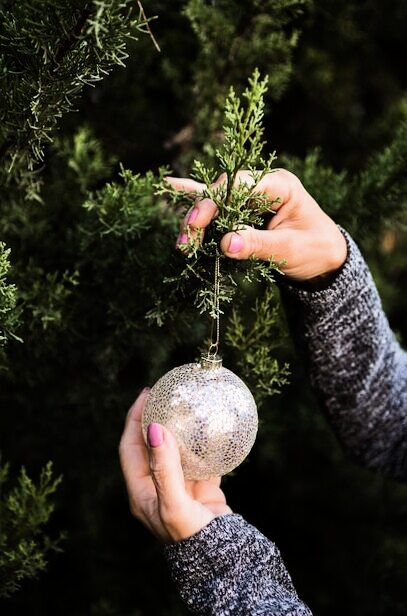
(230, 568)
(356, 366)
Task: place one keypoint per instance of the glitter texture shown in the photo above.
(211, 413)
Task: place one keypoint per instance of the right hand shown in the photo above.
(300, 233)
(172, 507)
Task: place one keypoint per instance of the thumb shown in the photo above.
(166, 471)
(260, 243)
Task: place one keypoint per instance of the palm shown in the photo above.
(205, 496)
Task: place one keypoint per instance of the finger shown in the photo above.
(189, 185)
(279, 183)
(132, 449)
(132, 430)
(166, 470)
(262, 244)
(206, 491)
(181, 515)
(194, 223)
(186, 184)
(212, 481)
(203, 212)
(280, 186)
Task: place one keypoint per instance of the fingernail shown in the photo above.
(155, 435)
(182, 239)
(193, 215)
(236, 243)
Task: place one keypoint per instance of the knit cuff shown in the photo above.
(230, 567)
(227, 544)
(207, 551)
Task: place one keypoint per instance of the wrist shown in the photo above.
(337, 252)
(333, 257)
(317, 283)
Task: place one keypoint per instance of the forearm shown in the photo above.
(357, 368)
(228, 568)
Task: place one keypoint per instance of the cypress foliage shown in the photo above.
(24, 510)
(8, 314)
(86, 319)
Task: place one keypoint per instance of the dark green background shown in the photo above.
(342, 530)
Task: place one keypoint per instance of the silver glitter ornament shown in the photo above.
(211, 413)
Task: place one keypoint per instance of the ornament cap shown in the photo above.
(211, 362)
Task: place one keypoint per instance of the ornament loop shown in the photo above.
(211, 362)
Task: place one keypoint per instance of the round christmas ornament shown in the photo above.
(211, 413)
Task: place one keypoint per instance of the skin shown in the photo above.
(300, 233)
(171, 507)
(311, 245)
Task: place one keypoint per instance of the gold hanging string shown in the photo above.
(215, 330)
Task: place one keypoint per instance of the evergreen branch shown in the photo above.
(237, 206)
(24, 511)
(231, 42)
(9, 313)
(45, 63)
(143, 18)
(70, 41)
(254, 346)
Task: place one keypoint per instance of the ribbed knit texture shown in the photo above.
(359, 374)
(228, 568)
(357, 368)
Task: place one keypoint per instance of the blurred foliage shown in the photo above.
(8, 313)
(90, 252)
(24, 510)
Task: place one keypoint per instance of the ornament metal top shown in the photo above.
(211, 413)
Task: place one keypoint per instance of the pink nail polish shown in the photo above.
(182, 239)
(193, 215)
(236, 244)
(155, 435)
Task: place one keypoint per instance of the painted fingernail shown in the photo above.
(155, 435)
(182, 239)
(193, 215)
(236, 243)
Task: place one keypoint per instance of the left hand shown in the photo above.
(171, 507)
(301, 237)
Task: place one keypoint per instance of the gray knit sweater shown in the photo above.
(359, 374)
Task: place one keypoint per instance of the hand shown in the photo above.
(170, 506)
(300, 233)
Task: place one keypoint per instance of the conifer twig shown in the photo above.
(142, 16)
(70, 41)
